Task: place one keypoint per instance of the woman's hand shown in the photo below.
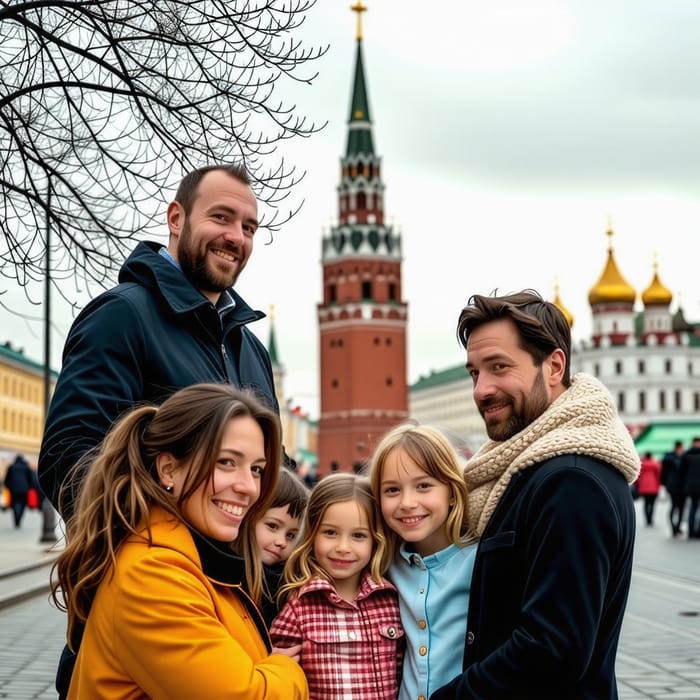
(293, 652)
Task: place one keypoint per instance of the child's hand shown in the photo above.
(293, 652)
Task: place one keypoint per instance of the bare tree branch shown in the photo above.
(108, 103)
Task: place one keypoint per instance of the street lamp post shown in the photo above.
(48, 531)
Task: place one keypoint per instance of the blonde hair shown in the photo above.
(302, 566)
(119, 484)
(433, 453)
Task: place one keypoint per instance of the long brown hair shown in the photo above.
(120, 483)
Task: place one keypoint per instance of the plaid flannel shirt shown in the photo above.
(350, 651)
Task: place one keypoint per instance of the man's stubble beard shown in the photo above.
(534, 404)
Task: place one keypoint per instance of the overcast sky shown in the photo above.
(510, 132)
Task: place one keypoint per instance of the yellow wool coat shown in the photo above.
(162, 628)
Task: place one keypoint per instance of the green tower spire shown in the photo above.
(360, 122)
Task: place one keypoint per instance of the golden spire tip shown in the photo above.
(359, 7)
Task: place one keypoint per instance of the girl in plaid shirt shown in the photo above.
(417, 478)
(337, 605)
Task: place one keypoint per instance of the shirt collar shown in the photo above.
(368, 586)
(415, 559)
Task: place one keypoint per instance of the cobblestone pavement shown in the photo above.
(659, 655)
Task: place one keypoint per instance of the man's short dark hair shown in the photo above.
(541, 326)
(187, 189)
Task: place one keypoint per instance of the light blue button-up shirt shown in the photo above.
(434, 599)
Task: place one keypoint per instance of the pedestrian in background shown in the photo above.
(337, 604)
(148, 568)
(549, 498)
(648, 484)
(690, 466)
(173, 320)
(19, 479)
(672, 481)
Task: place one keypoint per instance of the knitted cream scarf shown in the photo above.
(583, 420)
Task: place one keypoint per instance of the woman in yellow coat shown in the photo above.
(156, 600)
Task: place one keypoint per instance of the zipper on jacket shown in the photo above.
(224, 357)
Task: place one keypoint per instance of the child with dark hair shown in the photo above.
(275, 534)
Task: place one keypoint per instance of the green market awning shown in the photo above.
(302, 455)
(659, 438)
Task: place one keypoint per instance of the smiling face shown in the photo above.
(343, 545)
(275, 533)
(414, 504)
(510, 391)
(213, 242)
(218, 505)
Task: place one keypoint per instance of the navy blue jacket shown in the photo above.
(19, 476)
(149, 336)
(549, 587)
(690, 469)
(672, 474)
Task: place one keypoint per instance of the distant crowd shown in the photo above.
(679, 473)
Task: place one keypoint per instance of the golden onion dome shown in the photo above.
(558, 303)
(656, 294)
(612, 286)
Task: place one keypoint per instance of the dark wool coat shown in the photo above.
(141, 341)
(19, 478)
(690, 466)
(672, 474)
(550, 586)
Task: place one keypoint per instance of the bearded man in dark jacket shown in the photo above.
(172, 321)
(549, 498)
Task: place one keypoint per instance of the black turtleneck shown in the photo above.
(223, 566)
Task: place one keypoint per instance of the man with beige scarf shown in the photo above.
(550, 500)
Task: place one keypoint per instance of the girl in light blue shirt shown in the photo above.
(417, 479)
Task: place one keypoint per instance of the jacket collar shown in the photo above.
(217, 560)
(219, 564)
(145, 266)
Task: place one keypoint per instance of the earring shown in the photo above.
(170, 488)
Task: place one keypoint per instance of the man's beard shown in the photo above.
(194, 265)
(533, 404)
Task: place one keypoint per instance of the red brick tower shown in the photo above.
(362, 318)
